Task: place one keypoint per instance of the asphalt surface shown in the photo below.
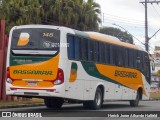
(109, 108)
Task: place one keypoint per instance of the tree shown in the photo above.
(77, 14)
(123, 36)
(19, 12)
(89, 16)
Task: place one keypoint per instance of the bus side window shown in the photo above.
(107, 53)
(71, 48)
(123, 57)
(102, 52)
(147, 61)
(139, 61)
(142, 62)
(119, 55)
(90, 50)
(77, 48)
(112, 54)
(96, 51)
(84, 49)
(135, 59)
(126, 63)
(131, 58)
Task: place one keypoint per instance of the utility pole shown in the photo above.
(146, 21)
(146, 26)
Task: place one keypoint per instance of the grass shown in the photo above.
(21, 102)
(155, 96)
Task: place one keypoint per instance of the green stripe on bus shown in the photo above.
(20, 60)
(92, 70)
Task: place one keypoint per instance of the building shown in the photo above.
(155, 73)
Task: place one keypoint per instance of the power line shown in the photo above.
(156, 10)
(122, 17)
(151, 1)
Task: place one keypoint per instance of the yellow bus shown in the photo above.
(60, 64)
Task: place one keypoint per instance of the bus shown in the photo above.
(60, 64)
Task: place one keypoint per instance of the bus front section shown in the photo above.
(32, 62)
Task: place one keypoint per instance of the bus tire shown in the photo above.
(96, 103)
(47, 102)
(134, 103)
(56, 103)
(86, 105)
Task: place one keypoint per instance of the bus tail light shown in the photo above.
(60, 77)
(9, 80)
(8, 73)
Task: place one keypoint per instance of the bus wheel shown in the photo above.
(96, 103)
(57, 103)
(134, 103)
(47, 102)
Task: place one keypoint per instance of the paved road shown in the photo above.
(76, 110)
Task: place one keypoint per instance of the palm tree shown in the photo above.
(78, 14)
(19, 12)
(90, 16)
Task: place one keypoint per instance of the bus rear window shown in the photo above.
(35, 39)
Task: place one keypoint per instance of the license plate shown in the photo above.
(32, 83)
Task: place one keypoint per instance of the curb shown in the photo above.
(21, 105)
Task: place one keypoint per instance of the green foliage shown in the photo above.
(78, 14)
(123, 36)
(19, 12)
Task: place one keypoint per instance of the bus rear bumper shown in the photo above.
(31, 93)
(35, 92)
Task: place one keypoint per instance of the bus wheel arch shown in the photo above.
(134, 103)
(98, 99)
(140, 90)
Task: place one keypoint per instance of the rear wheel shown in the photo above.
(55, 103)
(96, 103)
(47, 102)
(134, 103)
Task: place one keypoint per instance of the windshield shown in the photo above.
(33, 40)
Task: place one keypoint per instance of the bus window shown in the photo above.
(90, 50)
(142, 62)
(84, 49)
(139, 61)
(147, 61)
(135, 59)
(71, 50)
(77, 48)
(107, 53)
(112, 54)
(131, 58)
(119, 54)
(126, 63)
(101, 52)
(96, 51)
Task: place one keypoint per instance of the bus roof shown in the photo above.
(94, 35)
(111, 40)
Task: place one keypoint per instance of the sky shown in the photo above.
(130, 15)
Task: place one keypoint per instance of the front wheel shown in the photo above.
(96, 103)
(134, 103)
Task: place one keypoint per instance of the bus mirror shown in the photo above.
(153, 66)
(147, 59)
